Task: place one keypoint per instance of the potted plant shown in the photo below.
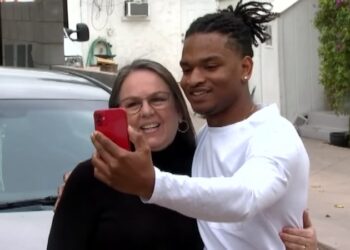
(333, 22)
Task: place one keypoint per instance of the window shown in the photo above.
(269, 31)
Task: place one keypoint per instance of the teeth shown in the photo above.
(148, 126)
(197, 93)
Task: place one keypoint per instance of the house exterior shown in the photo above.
(157, 35)
(293, 81)
(286, 68)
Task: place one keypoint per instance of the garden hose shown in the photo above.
(90, 60)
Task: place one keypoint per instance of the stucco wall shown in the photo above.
(157, 37)
(224, 3)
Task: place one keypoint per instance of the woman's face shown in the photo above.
(158, 117)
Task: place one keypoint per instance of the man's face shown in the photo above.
(212, 74)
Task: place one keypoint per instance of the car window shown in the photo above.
(39, 141)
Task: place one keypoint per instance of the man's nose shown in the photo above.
(195, 77)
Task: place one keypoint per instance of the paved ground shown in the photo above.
(329, 192)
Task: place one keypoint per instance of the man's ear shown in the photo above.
(247, 68)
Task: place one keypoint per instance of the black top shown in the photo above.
(91, 215)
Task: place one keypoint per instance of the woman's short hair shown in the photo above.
(167, 77)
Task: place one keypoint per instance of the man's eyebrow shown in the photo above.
(210, 58)
(202, 60)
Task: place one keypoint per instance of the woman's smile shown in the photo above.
(152, 127)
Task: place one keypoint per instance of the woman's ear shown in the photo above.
(179, 113)
(181, 118)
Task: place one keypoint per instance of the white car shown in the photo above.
(46, 119)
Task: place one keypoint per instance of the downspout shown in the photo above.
(65, 14)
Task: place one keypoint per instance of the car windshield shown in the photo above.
(39, 141)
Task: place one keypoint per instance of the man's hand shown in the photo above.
(125, 171)
(295, 238)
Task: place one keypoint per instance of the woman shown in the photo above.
(294, 238)
(91, 215)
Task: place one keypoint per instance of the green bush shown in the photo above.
(333, 22)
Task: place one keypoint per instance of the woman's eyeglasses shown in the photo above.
(133, 105)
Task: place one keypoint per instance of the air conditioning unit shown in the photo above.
(136, 9)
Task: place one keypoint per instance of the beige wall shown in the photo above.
(157, 37)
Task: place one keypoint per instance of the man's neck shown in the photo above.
(233, 114)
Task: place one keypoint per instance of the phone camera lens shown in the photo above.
(99, 119)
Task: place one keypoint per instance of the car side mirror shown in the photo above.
(82, 33)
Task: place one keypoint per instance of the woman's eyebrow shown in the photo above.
(138, 97)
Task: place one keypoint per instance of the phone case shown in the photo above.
(113, 123)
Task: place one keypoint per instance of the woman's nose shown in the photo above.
(146, 108)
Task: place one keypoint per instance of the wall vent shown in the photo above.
(136, 9)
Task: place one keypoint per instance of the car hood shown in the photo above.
(25, 230)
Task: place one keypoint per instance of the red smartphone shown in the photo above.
(113, 123)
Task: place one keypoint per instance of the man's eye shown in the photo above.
(211, 66)
(186, 70)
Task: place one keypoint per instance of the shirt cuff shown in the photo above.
(156, 190)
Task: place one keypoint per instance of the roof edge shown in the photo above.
(280, 6)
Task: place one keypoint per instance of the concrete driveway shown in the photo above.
(329, 193)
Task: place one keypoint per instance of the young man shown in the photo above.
(250, 169)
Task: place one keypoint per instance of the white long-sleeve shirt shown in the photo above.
(250, 179)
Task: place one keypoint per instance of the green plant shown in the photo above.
(333, 22)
